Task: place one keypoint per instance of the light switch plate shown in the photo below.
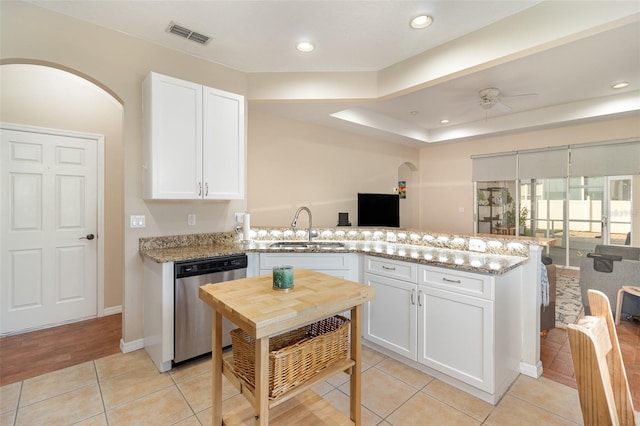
(191, 219)
(136, 221)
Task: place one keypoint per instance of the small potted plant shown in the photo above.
(482, 199)
(510, 216)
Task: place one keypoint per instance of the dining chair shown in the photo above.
(603, 388)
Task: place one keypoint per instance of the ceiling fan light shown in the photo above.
(420, 22)
(620, 85)
(305, 46)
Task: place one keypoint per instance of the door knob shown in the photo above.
(88, 237)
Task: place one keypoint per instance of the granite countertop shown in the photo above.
(177, 254)
(443, 257)
(182, 248)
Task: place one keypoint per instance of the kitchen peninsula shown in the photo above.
(481, 292)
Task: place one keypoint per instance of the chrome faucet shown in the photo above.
(295, 220)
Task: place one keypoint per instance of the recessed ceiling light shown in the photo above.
(444, 121)
(620, 85)
(420, 22)
(305, 46)
(414, 112)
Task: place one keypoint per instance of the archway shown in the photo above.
(48, 95)
(407, 173)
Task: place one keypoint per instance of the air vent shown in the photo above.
(187, 33)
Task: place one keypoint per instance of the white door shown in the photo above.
(49, 211)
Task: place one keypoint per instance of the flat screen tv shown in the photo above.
(379, 210)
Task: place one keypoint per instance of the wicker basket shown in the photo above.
(294, 356)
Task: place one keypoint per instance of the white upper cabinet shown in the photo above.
(193, 142)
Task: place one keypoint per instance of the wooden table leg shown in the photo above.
(356, 374)
(262, 381)
(216, 376)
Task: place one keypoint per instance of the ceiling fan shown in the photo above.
(490, 98)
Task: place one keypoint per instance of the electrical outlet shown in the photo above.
(239, 217)
(136, 221)
(191, 219)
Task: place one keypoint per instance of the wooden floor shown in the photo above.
(27, 355)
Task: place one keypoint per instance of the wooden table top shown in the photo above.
(253, 305)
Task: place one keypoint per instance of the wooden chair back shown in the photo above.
(605, 398)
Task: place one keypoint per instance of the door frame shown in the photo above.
(100, 196)
(606, 208)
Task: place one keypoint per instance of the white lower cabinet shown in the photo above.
(391, 319)
(463, 325)
(456, 335)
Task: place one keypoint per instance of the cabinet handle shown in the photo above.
(199, 189)
(419, 296)
(451, 281)
(413, 295)
(388, 268)
(206, 189)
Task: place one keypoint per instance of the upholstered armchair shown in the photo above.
(623, 272)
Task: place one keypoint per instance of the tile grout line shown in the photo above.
(397, 408)
(542, 408)
(15, 414)
(193, 412)
(493, 407)
(104, 407)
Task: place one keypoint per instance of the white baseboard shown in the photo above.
(531, 370)
(112, 310)
(126, 347)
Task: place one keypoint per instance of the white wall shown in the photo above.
(293, 164)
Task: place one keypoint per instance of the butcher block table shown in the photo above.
(253, 305)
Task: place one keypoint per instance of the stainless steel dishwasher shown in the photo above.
(192, 317)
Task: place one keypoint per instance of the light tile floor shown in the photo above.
(126, 389)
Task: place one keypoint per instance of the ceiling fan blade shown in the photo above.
(519, 95)
(502, 107)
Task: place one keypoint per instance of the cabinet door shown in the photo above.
(223, 145)
(455, 335)
(390, 319)
(172, 110)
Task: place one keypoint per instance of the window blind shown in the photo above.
(543, 164)
(494, 167)
(611, 159)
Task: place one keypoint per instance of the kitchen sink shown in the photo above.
(307, 245)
